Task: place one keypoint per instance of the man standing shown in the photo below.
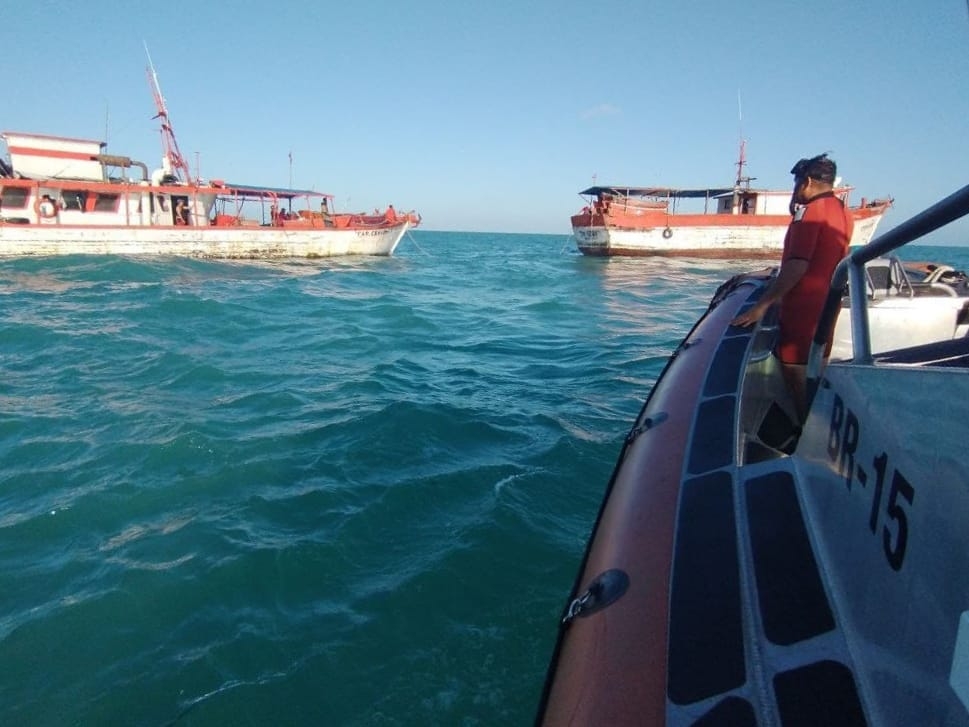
(816, 241)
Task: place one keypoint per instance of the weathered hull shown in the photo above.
(702, 237)
(678, 241)
(204, 242)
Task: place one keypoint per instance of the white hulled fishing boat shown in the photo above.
(710, 222)
(62, 195)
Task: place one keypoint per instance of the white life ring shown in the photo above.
(667, 233)
(45, 208)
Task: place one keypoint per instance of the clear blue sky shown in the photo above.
(491, 116)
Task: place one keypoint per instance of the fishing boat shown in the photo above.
(714, 222)
(744, 570)
(64, 196)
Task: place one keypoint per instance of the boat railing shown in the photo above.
(851, 271)
(886, 276)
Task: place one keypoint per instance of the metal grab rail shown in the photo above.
(951, 208)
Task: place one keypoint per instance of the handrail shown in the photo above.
(951, 208)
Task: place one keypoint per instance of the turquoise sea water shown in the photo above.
(352, 492)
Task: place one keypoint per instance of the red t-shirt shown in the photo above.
(819, 233)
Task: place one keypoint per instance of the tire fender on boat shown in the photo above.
(667, 233)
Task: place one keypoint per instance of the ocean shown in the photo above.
(345, 492)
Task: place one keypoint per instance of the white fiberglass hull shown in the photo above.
(205, 242)
(899, 322)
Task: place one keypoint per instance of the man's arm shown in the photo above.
(791, 271)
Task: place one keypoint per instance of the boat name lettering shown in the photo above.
(844, 435)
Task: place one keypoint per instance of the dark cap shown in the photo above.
(820, 168)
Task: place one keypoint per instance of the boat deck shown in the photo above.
(954, 353)
(772, 643)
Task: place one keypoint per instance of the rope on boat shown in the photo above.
(411, 238)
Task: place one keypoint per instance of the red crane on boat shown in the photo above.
(169, 143)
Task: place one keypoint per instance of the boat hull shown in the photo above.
(590, 680)
(682, 241)
(825, 586)
(704, 237)
(203, 242)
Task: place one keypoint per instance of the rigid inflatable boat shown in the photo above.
(742, 571)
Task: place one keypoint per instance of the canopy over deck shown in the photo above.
(664, 192)
(251, 190)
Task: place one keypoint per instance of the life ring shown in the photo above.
(45, 208)
(667, 233)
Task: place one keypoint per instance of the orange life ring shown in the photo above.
(46, 208)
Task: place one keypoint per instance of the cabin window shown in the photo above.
(14, 198)
(75, 199)
(106, 203)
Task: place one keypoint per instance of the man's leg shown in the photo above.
(795, 376)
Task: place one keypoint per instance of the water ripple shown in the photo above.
(347, 492)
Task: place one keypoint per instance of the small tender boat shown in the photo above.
(62, 195)
(743, 572)
(732, 222)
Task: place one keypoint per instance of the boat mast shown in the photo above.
(172, 155)
(742, 159)
(741, 162)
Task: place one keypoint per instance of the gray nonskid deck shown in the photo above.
(752, 631)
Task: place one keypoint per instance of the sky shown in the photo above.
(491, 116)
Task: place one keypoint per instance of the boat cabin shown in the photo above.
(54, 180)
(714, 200)
(753, 202)
(39, 156)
